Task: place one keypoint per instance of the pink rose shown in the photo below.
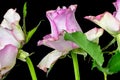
(109, 22)
(61, 19)
(11, 37)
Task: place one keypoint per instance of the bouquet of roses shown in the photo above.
(66, 38)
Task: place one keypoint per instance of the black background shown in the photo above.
(63, 69)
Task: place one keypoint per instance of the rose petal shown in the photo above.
(7, 58)
(107, 22)
(117, 12)
(6, 38)
(11, 22)
(11, 18)
(63, 19)
(49, 60)
(94, 34)
(60, 44)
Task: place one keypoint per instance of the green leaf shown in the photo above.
(25, 9)
(31, 32)
(24, 18)
(100, 68)
(114, 63)
(91, 48)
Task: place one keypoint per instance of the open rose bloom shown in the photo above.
(11, 37)
(61, 20)
(109, 22)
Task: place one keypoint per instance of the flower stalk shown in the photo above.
(31, 68)
(118, 41)
(76, 66)
(105, 76)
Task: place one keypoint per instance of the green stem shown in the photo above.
(76, 66)
(31, 68)
(24, 27)
(110, 43)
(105, 76)
(118, 41)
